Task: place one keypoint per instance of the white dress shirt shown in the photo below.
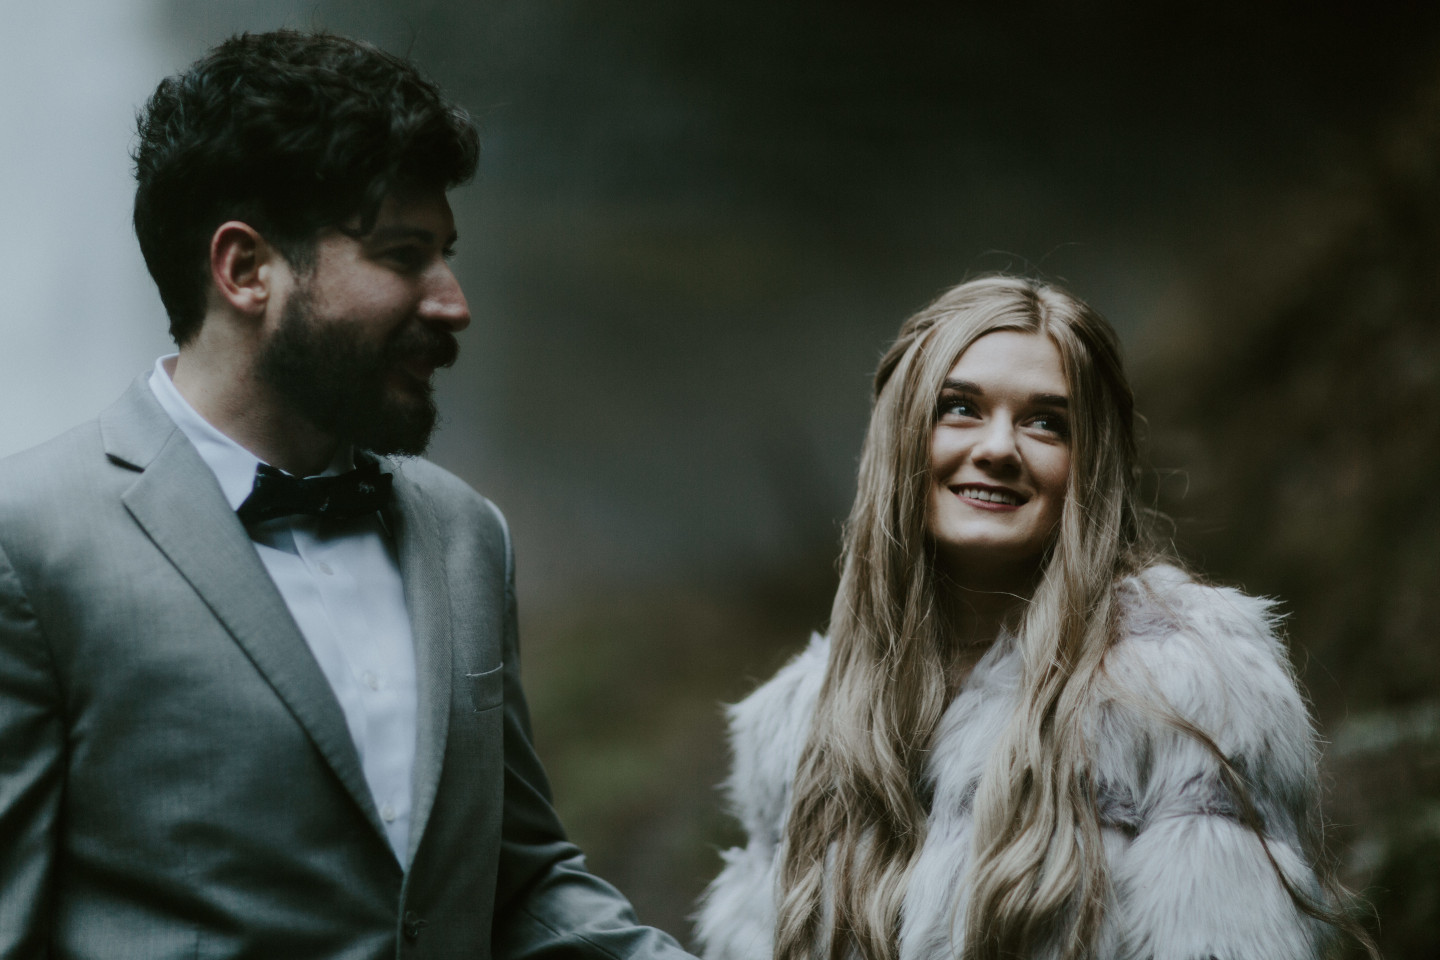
(341, 581)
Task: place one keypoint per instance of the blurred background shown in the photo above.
(694, 229)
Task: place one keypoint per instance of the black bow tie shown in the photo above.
(277, 494)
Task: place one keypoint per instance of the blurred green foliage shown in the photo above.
(1301, 400)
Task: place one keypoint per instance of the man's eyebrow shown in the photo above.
(391, 234)
(1038, 399)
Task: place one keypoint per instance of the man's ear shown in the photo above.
(242, 267)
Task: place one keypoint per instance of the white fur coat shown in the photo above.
(1189, 881)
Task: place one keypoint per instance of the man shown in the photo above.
(245, 715)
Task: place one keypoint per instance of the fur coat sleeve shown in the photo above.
(1189, 879)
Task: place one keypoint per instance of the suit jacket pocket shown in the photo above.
(486, 688)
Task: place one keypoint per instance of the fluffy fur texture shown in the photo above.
(1188, 880)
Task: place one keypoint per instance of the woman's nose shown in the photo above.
(996, 444)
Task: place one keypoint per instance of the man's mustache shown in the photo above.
(434, 348)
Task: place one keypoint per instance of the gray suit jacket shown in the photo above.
(176, 776)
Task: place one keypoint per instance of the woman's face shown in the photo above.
(1000, 457)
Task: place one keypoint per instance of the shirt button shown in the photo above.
(387, 813)
(325, 568)
(371, 681)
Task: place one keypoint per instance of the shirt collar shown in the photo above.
(232, 464)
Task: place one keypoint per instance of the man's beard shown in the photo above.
(340, 383)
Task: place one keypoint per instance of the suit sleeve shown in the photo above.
(31, 772)
(1196, 880)
(547, 905)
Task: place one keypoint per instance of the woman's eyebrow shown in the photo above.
(1037, 399)
(963, 386)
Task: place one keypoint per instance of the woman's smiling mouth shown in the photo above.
(990, 496)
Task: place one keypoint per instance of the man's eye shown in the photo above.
(408, 258)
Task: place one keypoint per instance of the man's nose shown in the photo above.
(444, 302)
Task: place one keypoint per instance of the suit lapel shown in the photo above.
(427, 597)
(178, 502)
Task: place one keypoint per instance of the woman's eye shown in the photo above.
(957, 407)
(1051, 423)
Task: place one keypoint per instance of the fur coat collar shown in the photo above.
(1189, 881)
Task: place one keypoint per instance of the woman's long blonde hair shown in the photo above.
(857, 812)
(857, 817)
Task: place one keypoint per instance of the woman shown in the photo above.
(1026, 735)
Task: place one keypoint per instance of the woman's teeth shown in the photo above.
(990, 496)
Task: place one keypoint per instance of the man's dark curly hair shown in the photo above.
(289, 132)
